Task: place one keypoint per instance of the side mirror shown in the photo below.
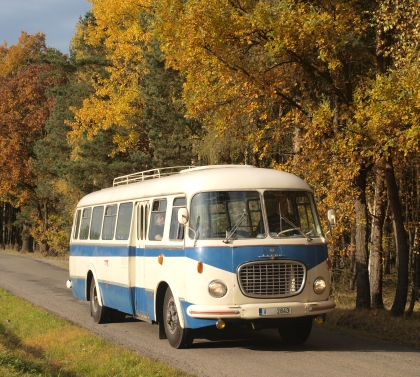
(183, 216)
(332, 219)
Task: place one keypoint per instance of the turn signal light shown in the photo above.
(220, 324)
(319, 320)
(160, 259)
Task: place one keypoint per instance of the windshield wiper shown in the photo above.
(235, 227)
(294, 227)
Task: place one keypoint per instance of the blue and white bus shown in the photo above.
(200, 249)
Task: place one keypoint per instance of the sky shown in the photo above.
(57, 19)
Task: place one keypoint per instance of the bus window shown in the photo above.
(146, 218)
(142, 215)
(84, 226)
(95, 228)
(216, 214)
(76, 226)
(157, 220)
(109, 222)
(177, 231)
(124, 221)
(291, 213)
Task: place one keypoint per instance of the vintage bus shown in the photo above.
(200, 249)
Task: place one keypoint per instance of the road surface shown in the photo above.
(254, 354)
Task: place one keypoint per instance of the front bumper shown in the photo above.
(252, 311)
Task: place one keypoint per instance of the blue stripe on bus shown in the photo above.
(101, 251)
(225, 258)
(229, 259)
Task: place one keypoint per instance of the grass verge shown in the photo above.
(34, 342)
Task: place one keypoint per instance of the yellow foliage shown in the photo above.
(121, 27)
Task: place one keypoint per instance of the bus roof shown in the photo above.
(199, 179)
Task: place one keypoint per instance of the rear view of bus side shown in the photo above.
(202, 250)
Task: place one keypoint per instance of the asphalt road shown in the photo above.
(253, 354)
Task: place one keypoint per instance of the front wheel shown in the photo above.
(177, 336)
(99, 313)
(296, 333)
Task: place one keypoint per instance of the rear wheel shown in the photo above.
(100, 314)
(296, 333)
(177, 336)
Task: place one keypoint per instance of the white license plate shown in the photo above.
(275, 311)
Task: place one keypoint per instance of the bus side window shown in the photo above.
(109, 222)
(177, 231)
(95, 228)
(157, 220)
(124, 221)
(76, 225)
(146, 218)
(84, 226)
(142, 213)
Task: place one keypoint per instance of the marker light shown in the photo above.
(217, 288)
(319, 285)
(200, 267)
(319, 320)
(220, 324)
(160, 259)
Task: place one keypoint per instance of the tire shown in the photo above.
(99, 313)
(296, 333)
(176, 335)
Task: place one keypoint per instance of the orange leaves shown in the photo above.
(24, 109)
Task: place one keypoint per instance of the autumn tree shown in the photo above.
(299, 68)
(122, 29)
(24, 109)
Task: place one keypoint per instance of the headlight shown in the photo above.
(319, 285)
(217, 288)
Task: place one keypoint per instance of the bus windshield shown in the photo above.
(216, 214)
(291, 214)
(239, 214)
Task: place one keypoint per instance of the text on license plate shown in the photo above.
(274, 311)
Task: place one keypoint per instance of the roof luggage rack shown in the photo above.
(148, 174)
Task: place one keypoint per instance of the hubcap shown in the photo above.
(171, 317)
(95, 300)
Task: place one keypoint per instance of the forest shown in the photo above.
(325, 89)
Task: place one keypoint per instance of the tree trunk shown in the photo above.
(4, 229)
(376, 252)
(416, 248)
(400, 300)
(27, 240)
(416, 275)
(45, 247)
(362, 274)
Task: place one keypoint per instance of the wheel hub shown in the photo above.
(172, 317)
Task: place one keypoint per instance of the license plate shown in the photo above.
(275, 311)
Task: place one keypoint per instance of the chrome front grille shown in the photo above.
(269, 279)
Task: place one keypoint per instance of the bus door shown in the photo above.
(142, 216)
